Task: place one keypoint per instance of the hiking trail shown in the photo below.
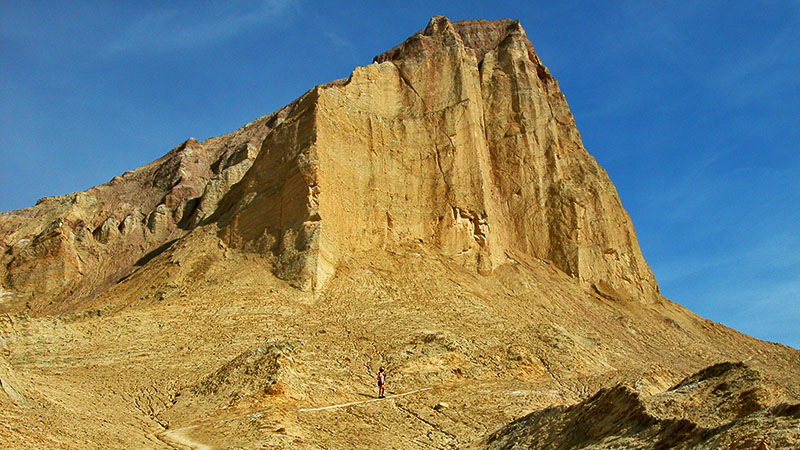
(176, 438)
(344, 405)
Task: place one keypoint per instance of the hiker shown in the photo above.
(381, 379)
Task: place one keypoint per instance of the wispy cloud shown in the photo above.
(171, 29)
(771, 254)
(766, 68)
(691, 190)
(753, 288)
(766, 309)
(341, 42)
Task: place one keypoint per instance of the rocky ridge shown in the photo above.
(72, 247)
(724, 406)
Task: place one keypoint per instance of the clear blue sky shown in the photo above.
(692, 107)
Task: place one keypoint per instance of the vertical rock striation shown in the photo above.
(460, 139)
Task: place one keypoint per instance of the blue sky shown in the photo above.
(692, 107)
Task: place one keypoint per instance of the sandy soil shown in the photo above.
(206, 349)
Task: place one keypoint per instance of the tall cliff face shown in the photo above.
(458, 139)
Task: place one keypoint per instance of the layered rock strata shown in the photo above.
(73, 246)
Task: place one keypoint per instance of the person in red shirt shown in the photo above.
(381, 380)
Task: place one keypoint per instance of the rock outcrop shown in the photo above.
(71, 247)
(723, 406)
(458, 140)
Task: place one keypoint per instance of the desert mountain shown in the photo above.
(435, 214)
(459, 138)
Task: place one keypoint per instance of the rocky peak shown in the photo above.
(477, 36)
(457, 140)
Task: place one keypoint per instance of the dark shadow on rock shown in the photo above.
(189, 210)
(152, 254)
